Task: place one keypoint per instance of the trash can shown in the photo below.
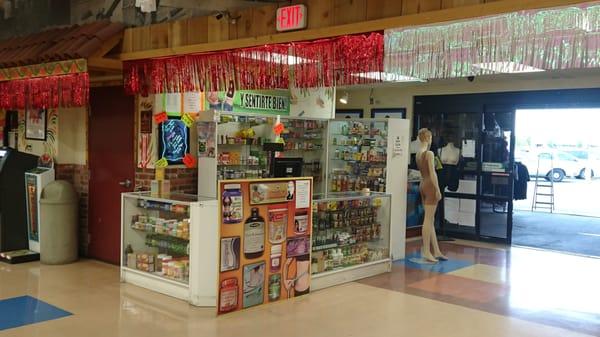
(58, 223)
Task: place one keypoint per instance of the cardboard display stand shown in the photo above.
(265, 240)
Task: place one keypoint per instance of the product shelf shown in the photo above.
(157, 233)
(337, 245)
(363, 248)
(162, 248)
(158, 276)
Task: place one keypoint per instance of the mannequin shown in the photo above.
(450, 154)
(431, 195)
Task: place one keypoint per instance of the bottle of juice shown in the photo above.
(254, 235)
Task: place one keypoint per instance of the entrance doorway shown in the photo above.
(561, 150)
(112, 168)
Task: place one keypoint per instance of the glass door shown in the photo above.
(459, 132)
(497, 175)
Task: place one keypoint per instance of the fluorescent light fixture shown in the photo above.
(275, 57)
(344, 99)
(507, 67)
(388, 77)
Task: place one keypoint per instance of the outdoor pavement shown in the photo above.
(558, 232)
(571, 196)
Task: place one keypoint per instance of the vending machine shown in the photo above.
(35, 181)
(13, 210)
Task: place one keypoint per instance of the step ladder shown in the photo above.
(543, 193)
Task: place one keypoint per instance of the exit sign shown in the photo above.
(291, 18)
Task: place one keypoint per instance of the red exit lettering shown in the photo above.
(291, 18)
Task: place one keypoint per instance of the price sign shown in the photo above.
(188, 120)
(278, 128)
(189, 161)
(161, 163)
(160, 117)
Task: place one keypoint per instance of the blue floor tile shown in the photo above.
(25, 310)
(441, 267)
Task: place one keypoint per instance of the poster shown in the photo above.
(147, 134)
(265, 249)
(35, 124)
(173, 104)
(193, 102)
(302, 193)
(206, 139)
(31, 184)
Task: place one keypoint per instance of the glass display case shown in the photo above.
(162, 244)
(351, 237)
(157, 236)
(357, 155)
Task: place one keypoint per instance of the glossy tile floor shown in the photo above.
(495, 292)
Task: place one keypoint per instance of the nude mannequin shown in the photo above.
(430, 195)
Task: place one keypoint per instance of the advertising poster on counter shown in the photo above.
(265, 236)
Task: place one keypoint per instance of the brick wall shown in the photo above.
(79, 176)
(182, 179)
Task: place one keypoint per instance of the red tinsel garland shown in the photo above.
(46, 92)
(323, 63)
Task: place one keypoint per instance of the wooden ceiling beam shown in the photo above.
(105, 64)
(439, 16)
(108, 45)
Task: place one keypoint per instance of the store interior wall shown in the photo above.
(66, 141)
(182, 179)
(402, 95)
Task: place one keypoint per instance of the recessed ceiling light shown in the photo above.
(507, 67)
(274, 57)
(388, 77)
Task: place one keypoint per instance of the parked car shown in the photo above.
(565, 165)
(592, 166)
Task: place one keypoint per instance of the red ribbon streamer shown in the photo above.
(46, 92)
(322, 63)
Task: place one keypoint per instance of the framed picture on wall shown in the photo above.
(389, 113)
(35, 124)
(348, 113)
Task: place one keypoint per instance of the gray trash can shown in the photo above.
(58, 223)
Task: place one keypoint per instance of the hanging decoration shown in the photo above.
(44, 69)
(322, 63)
(550, 39)
(45, 92)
